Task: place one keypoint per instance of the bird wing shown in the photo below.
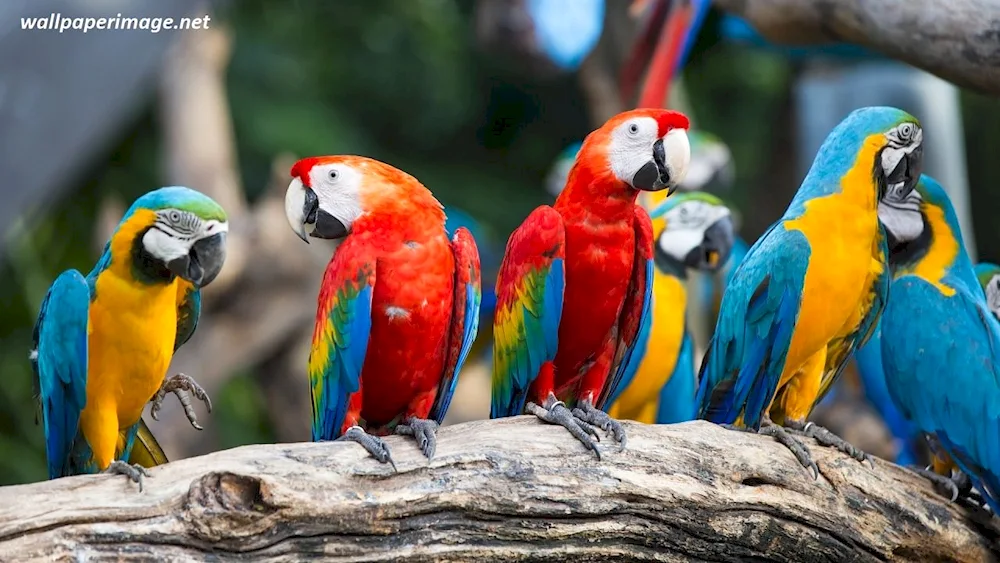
(745, 358)
(464, 319)
(59, 359)
(637, 315)
(137, 445)
(340, 337)
(188, 311)
(530, 288)
(942, 368)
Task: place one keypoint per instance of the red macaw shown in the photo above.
(398, 308)
(574, 285)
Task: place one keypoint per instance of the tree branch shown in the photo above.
(508, 490)
(958, 40)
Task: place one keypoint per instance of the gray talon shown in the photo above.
(785, 438)
(134, 472)
(425, 433)
(372, 444)
(555, 412)
(592, 415)
(181, 385)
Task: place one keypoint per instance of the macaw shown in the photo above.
(811, 289)
(575, 282)
(103, 343)
(398, 307)
(940, 340)
(698, 235)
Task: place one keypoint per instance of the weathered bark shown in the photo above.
(958, 40)
(510, 490)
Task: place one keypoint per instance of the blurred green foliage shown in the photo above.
(400, 81)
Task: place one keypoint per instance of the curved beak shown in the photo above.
(715, 248)
(203, 262)
(902, 167)
(663, 172)
(305, 215)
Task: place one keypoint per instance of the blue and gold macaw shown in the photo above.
(695, 232)
(103, 343)
(940, 340)
(811, 289)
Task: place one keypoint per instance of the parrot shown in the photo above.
(489, 258)
(102, 344)
(575, 282)
(697, 234)
(940, 339)
(812, 288)
(398, 308)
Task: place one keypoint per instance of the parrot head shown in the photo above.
(712, 168)
(698, 230)
(328, 194)
(913, 220)
(989, 277)
(646, 149)
(186, 233)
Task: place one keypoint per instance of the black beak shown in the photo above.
(203, 263)
(325, 226)
(654, 175)
(714, 250)
(908, 172)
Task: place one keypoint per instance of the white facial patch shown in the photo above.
(993, 295)
(338, 187)
(631, 146)
(686, 226)
(901, 217)
(175, 231)
(701, 170)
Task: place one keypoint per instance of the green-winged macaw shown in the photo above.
(811, 289)
(696, 234)
(575, 282)
(103, 343)
(398, 307)
(940, 338)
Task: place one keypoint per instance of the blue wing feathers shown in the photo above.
(677, 396)
(61, 365)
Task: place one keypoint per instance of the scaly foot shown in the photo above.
(180, 385)
(592, 415)
(830, 440)
(373, 444)
(555, 412)
(135, 473)
(784, 438)
(425, 433)
(957, 487)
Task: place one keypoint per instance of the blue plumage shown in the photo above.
(940, 342)
(677, 396)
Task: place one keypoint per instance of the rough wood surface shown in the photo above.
(958, 40)
(510, 490)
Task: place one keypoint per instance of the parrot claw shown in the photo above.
(831, 440)
(134, 472)
(555, 412)
(183, 386)
(372, 444)
(425, 433)
(784, 438)
(591, 415)
(957, 487)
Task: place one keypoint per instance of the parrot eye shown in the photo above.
(633, 129)
(905, 131)
(333, 174)
(174, 216)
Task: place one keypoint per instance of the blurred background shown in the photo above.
(477, 99)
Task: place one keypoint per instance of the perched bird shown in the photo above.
(940, 341)
(398, 307)
(576, 279)
(103, 343)
(697, 234)
(811, 289)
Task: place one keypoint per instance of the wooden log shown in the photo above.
(507, 490)
(958, 40)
